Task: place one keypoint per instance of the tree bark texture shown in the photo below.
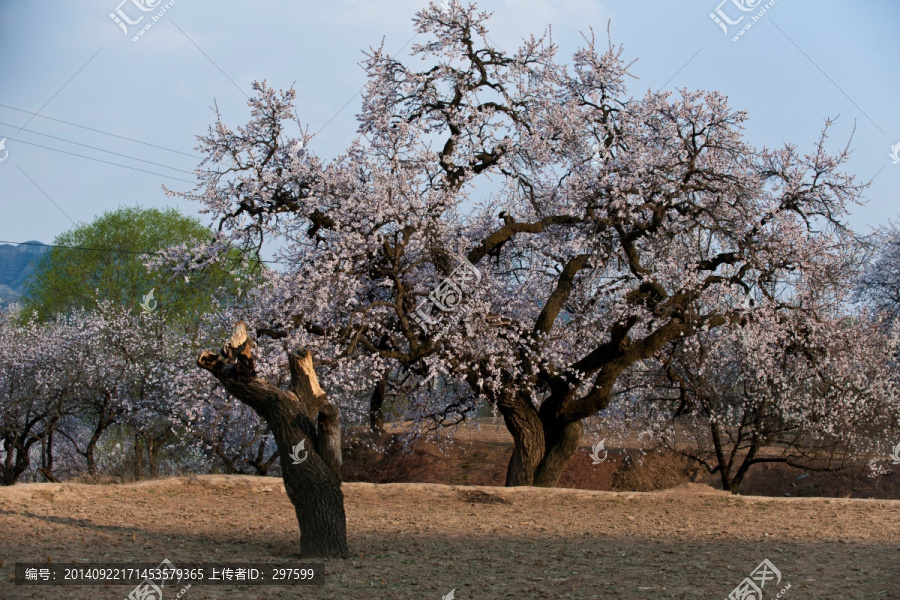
(302, 414)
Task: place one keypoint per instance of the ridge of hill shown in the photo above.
(17, 262)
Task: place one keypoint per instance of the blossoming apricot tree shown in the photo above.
(604, 227)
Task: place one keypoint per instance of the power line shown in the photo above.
(210, 60)
(682, 67)
(101, 160)
(827, 76)
(358, 91)
(99, 149)
(108, 250)
(45, 194)
(63, 87)
(121, 137)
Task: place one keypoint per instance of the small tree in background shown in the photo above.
(107, 265)
(879, 284)
(71, 379)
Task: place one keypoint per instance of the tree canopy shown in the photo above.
(622, 225)
(104, 261)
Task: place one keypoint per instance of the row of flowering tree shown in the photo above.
(516, 225)
(68, 383)
(63, 382)
(116, 362)
(805, 384)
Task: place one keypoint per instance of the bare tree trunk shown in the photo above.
(543, 443)
(47, 458)
(735, 484)
(47, 452)
(313, 482)
(724, 463)
(138, 456)
(540, 453)
(260, 462)
(523, 423)
(104, 421)
(10, 471)
(227, 460)
(376, 404)
(562, 443)
(102, 425)
(153, 445)
(89, 456)
(17, 456)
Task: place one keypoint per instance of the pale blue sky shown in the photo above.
(801, 62)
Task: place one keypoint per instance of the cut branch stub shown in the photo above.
(305, 383)
(240, 343)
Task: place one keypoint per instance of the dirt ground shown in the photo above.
(419, 541)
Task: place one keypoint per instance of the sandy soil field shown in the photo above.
(420, 541)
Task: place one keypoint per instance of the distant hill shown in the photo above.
(17, 262)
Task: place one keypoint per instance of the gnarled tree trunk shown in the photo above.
(17, 452)
(303, 414)
(527, 431)
(561, 445)
(546, 439)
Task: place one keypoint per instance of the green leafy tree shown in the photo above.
(105, 261)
